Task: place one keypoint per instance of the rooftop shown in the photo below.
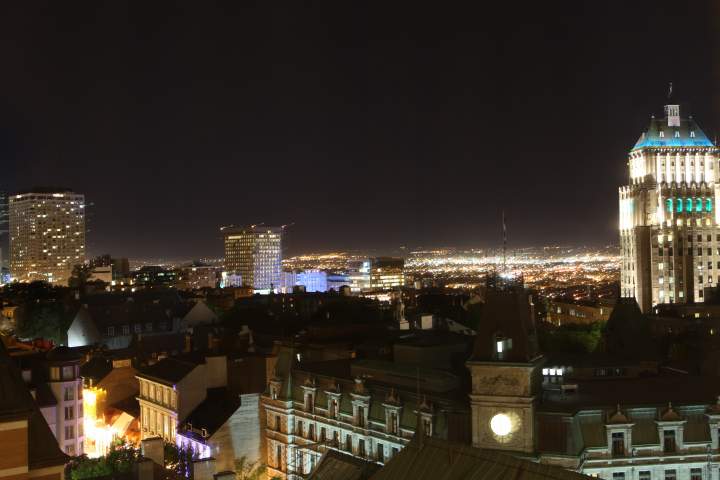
(659, 134)
(168, 370)
(432, 458)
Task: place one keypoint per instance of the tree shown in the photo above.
(120, 459)
(79, 279)
(43, 320)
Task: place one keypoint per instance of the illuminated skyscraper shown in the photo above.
(47, 234)
(255, 253)
(669, 223)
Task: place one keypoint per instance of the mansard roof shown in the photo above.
(431, 458)
(680, 136)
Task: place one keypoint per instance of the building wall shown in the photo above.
(191, 391)
(158, 417)
(240, 437)
(68, 412)
(14, 447)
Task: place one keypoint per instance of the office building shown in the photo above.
(47, 234)
(254, 253)
(669, 232)
(387, 273)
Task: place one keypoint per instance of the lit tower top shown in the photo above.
(669, 223)
(672, 131)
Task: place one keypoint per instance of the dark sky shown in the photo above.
(369, 125)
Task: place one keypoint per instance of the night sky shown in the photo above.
(368, 125)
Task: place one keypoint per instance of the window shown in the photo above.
(311, 431)
(668, 441)
(671, 474)
(644, 475)
(348, 443)
(696, 474)
(69, 432)
(618, 443)
(427, 426)
(69, 393)
(166, 396)
(69, 413)
(323, 434)
(137, 328)
(309, 402)
(360, 420)
(333, 408)
(70, 449)
(111, 331)
(300, 428)
(68, 373)
(393, 427)
(336, 438)
(618, 475)
(126, 329)
(361, 447)
(278, 457)
(277, 423)
(394, 451)
(144, 389)
(380, 453)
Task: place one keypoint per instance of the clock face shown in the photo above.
(501, 424)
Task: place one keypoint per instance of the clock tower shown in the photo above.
(506, 369)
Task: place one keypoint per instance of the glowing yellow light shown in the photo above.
(501, 424)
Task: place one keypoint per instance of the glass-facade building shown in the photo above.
(47, 234)
(255, 254)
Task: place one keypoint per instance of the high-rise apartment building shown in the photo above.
(254, 253)
(669, 223)
(47, 234)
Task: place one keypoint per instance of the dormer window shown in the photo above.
(677, 134)
(502, 346)
(669, 444)
(393, 423)
(309, 401)
(692, 134)
(618, 444)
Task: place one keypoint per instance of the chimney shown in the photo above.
(154, 449)
(204, 469)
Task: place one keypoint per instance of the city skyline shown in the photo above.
(344, 122)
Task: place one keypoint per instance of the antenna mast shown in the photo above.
(504, 247)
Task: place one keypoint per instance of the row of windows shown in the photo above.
(159, 394)
(669, 474)
(136, 328)
(689, 205)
